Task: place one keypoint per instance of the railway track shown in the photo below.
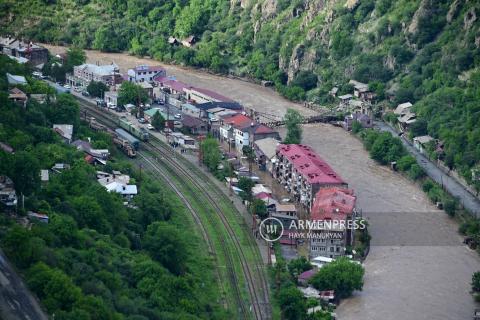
(200, 183)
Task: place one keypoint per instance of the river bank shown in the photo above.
(418, 267)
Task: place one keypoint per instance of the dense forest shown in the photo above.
(96, 258)
(422, 51)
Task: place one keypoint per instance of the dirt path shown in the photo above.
(249, 94)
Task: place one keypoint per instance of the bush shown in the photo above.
(416, 172)
(428, 184)
(476, 281)
(341, 275)
(405, 163)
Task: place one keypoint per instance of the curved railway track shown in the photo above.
(200, 183)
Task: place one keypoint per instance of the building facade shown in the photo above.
(303, 173)
(84, 74)
(333, 211)
(35, 54)
(144, 73)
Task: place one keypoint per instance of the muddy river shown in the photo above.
(417, 267)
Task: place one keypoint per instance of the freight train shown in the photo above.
(140, 133)
(134, 142)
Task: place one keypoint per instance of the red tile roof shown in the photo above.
(333, 204)
(238, 120)
(310, 164)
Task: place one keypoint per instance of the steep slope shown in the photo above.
(422, 51)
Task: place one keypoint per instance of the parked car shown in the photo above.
(67, 86)
(150, 127)
(178, 116)
(85, 94)
(142, 120)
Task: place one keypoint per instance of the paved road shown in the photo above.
(469, 201)
(16, 301)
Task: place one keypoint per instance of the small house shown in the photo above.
(403, 108)
(65, 131)
(420, 143)
(18, 96)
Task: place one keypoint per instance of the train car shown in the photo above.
(127, 136)
(134, 130)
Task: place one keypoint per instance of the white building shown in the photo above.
(83, 74)
(144, 73)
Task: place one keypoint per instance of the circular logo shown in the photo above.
(271, 229)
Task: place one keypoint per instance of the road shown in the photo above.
(417, 267)
(16, 301)
(469, 201)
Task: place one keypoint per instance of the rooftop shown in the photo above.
(65, 130)
(309, 164)
(229, 105)
(267, 146)
(211, 94)
(333, 204)
(103, 70)
(286, 208)
(146, 68)
(14, 79)
(423, 139)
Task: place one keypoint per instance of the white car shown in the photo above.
(178, 116)
(67, 86)
(150, 127)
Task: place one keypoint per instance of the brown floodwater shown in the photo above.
(417, 267)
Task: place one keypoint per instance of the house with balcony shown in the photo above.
(240, 130)
(332, 211)
(144, 73)
(303, 172)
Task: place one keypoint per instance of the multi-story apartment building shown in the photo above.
(241, 131)
(87, 72)
(332, 212)
(303, 172)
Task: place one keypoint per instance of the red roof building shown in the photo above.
(245, 131)
(333, 204)
(303, 172)
(333, 210)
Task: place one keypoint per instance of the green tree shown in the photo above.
(246, 185)
(293, 120)
(250, 154)
(131, 93)
(25, 174)
(341, 275)
(259, 208)
(75, 57)
(97, 89)
(167, 245)
(210, 153)
(293, 303)
(158, 121)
